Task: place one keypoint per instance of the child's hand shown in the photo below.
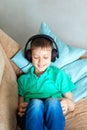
(67, 105)
(64, 106)
(22, 108)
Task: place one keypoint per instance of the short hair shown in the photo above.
(41, 42)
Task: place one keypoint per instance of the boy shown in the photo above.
(45, 91)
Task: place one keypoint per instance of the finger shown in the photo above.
(24, 105)
(22, 110)
(20, 114)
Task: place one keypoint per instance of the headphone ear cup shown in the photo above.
(28, 55)
(54, 55)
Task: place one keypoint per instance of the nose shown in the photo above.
(40, 60)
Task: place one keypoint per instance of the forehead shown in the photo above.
(44, 50)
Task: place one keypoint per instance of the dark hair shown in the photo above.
(41, 42)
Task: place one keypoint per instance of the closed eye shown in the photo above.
(46, 57)
(36, 57)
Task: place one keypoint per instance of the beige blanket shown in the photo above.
(8, 94)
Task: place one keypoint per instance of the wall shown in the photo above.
(66, 18)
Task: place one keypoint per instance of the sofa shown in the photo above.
(76, 120)
(8, 92)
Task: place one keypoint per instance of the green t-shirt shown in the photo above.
(52, 83)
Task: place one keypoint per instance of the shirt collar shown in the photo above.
(44, 73)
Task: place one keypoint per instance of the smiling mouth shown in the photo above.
(41, 66)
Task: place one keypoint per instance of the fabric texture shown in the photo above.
(10, 46)
(2, 64)
(8, 94)
(21, 61)
(50, 109)
(81, 89)
(76, 70)
(77, 120)
(52, 83)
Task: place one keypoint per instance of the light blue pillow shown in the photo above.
(21, 61)
(81, 90)
(67, 54)
(76, 70)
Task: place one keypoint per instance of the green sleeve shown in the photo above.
(66, 84)
(20, 87)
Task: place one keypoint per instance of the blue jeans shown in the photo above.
(44, 114)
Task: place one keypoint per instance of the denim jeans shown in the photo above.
(44, 114)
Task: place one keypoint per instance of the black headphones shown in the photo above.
(27, 52)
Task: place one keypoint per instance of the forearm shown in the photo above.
(69, 99)
(67, 103)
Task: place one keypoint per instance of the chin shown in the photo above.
(41, 70)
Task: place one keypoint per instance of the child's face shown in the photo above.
(41, 58)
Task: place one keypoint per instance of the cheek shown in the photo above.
(34, 61)
(48, 61)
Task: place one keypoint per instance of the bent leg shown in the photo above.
(34, 115)
(55, 119)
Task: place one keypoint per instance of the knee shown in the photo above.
(53, 104)
(35, 105)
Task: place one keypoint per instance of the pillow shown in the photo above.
(67, 54)
(81, 90)
(21, 61)
(76, 70)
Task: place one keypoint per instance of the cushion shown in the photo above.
(76, 70)
(81, 90)
(8, 95)
(77, 120)
(67, 54)
(21, 61)
(10, 46)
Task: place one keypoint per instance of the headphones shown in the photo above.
(27, 52)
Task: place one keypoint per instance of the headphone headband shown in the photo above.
(40, 36)
(27, 52)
